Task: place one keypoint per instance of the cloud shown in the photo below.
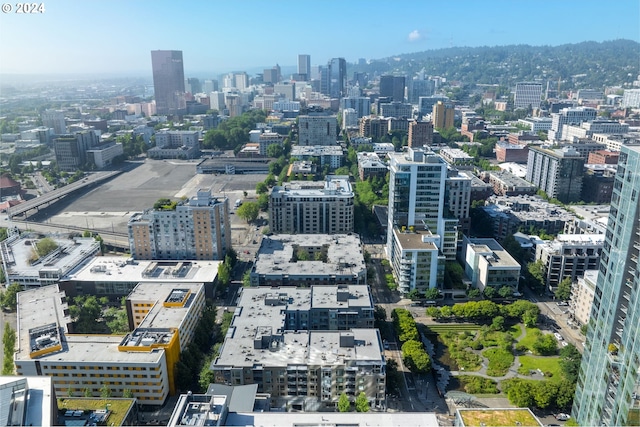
(414, 36)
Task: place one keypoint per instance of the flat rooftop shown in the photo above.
(159, 316)
(497, 257)
(344, 255)
(332, 419)
(334, 185)
(17, 253)
(121, 269)
(507, 417)
(414, 240)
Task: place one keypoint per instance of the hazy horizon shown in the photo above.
(114, 38)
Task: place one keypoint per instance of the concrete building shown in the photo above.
(569, 116)
(457, 198)
(195, 229)
(142, 362)
(175, 144)
(71, 150)
(609, 380)
(317, 129)
(268, 138)
(54, 119)
(527, 95)
(505, 183)
(604, 157)
(304, 367)
(456, 158)
(569, 255)
(556, 172)
(396, 110)
(511, 213)
(349, 119)
(374, 127)
(22, 263)
(507, 152)
(369, 165)
(330, 155)
(420, 133)
(304, 67)
(442, 115)
(309, 259)
(631, 98)
(615, 142)
(103, 155)
(312, 207)
(573, 133)
(426, 103)
(168, 82)
(488, 264)
(582, 294)
(537, 124)
(115, 277)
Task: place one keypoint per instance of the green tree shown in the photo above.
(498, 323)
(344, 405)
(544, 393)
(564, 289)
(246, 279)
(9, 344)
(545, 345)
(505, 291)
(261, 188)
(263, 202)
(570, 359)
(274, 150)
(86, 392)
(415, 357)
(489, 292)
(105, 391)
(10, 296)
(224, 274)
(85, 311)
(127, 393)
(362, 403)
(432, 294)
(520, 393)
(248, 211)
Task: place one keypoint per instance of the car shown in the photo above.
(564, 343)
(563, 417)
(558, 336)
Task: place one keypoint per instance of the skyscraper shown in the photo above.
(392, 86)
(304, 67)
(336, 77)
(442, 115)
(168, 81)
(608, 388)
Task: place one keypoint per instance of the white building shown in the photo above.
(103, 156)
(488, 264)
(176, 144)
(527, 95)
(330, 155)
(582, 293)
(349, 118)
(567, 116)
(361, 105)
(537, 124)
(631, 98)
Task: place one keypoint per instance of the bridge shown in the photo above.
(57, 194)
(110, 238)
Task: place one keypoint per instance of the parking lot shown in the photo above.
(110, 205)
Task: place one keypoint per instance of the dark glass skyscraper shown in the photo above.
(337, 69)
(393, 87)
(608, 389)
(168, 81)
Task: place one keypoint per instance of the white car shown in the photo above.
(558, 336)
(563, 417)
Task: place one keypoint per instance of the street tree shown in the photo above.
(564, 289)
(362, 403)
(344, 405)
(248, 211)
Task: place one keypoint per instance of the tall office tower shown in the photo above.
(442, 115)
(197, 229)
(71, 150)
(210, 86)
(240, 80)
(304, 67)
(420, 133)
(392, 86)
(608, 388)
(419, 238)
(168, 81)
(557, 172)
(317, 129)
(193, 85)
(361, 104)
(569, 116)
(54, 119)
(527, 95)
(216, 101)
(419, 87)
(336, 77)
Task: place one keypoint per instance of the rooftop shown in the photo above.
(120, 269)
(31, 399)
(344, 255)
(333, 419)
(508, 417)
(416, 240)
(316, 150)
(170, 304)
(491, 250)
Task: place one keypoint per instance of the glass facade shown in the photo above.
(608, 390)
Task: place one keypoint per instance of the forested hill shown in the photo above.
(587, 64)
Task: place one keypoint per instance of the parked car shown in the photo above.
(558, 336)
(563, 417)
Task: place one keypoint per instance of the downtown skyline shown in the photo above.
(114, 37)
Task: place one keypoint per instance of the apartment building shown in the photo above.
(369, 165)
(196, 229)
(142, 362)
(312, 208)
(309, 259)
(420, 133)
(527, 95)
(268, 344)
(456, 157)
(557, 172)
(569, 116)
(442, 115)
(507, 184)
(582, 294)
(507, 152)
(317, 129)
(569, 255)
(329, 155)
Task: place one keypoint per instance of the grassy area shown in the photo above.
(530, 337)
(498, 418)
(634, 417)
(500, 360)
(119, 407)
(544, 363)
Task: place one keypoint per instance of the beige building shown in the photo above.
(312, 207)
(489, 265)
(142, 362)
(582, 293)
(197, 229)
(442, 115)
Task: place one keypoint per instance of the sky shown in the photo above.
(115, 37)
